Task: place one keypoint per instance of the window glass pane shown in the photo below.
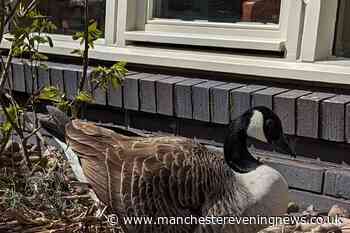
(68, 15)
(230, 11)
(342, 38)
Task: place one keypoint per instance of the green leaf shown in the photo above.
(63, 105)
(103, 77)
(78, 52)
(84, 97)
(39, 39)
(44, 66)
(13, 114)
(49, 39)
(92, 26)
(39, 57)
(78, 35)
(51, 94)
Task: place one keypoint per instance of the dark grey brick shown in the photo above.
(43, 77)
(347, 123)
(300, 175)
(201, 100)
(308, 114)
(265, 97)
(115, 96)
(100, 96)
(337, 183)
(131, 91)
(333, 118)
(220, 99)
(70, 82)
(240, 99)
(148, 93)
(183, 98)
(56, 76)
(285, 107)
(165, 95)
(321, 202)
(30, 75)
(18, 76)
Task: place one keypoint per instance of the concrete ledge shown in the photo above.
(299, 174)
(337, 183)
(321, 202)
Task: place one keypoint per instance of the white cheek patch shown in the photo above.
(256, 127)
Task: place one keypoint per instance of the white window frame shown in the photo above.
(318, 30)
(136, 25)
(308, 38)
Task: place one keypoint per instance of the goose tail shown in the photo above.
(55, 122)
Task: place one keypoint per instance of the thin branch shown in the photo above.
(32, 133)
(4, 74)
(2, 19)
(86, 45)
(12, 13)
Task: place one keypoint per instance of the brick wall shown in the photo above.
(317, 122)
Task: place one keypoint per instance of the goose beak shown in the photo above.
(282, 145)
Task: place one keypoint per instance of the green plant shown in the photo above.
(101, 77)
(28, 31)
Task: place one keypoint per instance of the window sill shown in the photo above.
(255, 66)
(206, 40)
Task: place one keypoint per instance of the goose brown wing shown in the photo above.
(156, 176)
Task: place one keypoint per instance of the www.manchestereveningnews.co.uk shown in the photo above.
(259, 220)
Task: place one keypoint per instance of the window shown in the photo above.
(342, 37)
(245, 24)
(68, 15)
(223, 11)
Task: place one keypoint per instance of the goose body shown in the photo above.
(174, 177)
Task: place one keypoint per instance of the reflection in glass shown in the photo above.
(230, 11)
(68, 15)
(342, 37)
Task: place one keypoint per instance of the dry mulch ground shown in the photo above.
(45, 199)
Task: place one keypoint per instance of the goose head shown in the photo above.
(259, 123)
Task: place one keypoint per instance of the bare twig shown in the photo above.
(2, 18)
(86, 47)
(32, 133)
(4, 75)
(13, 12)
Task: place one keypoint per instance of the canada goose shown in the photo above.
(176, 176)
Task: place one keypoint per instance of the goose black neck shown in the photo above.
(236, 152)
